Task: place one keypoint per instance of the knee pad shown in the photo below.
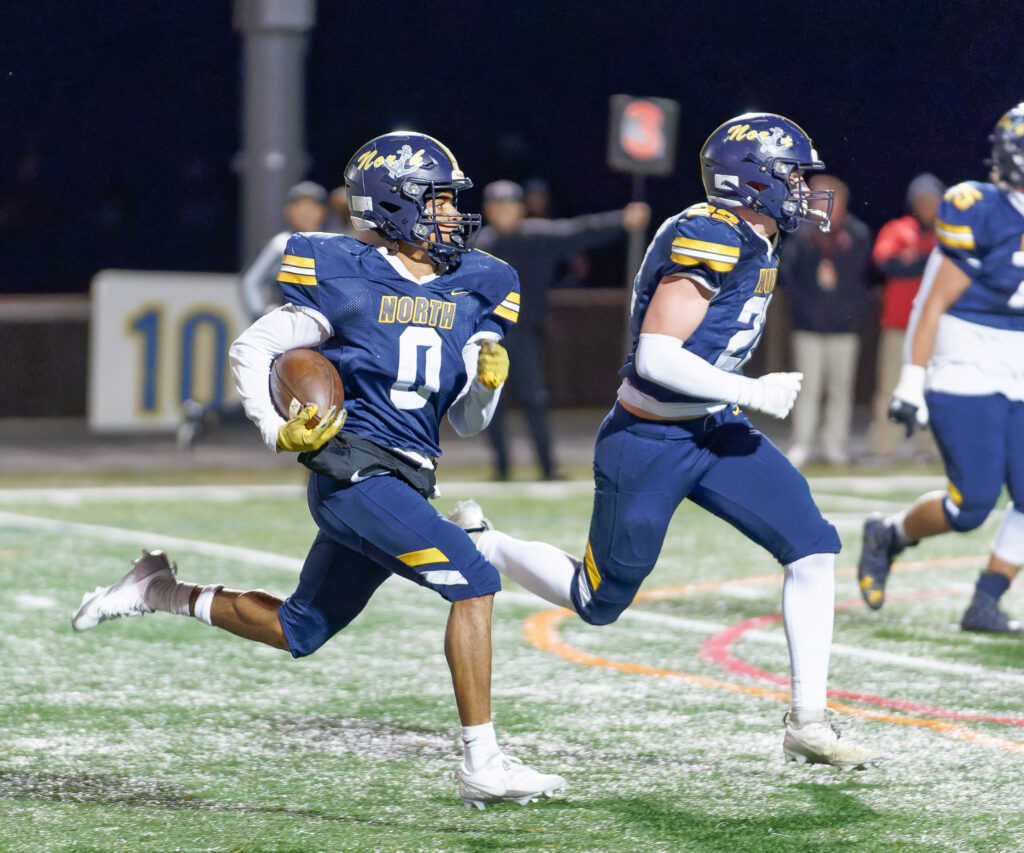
(1008, 544)
(968, 515)
(599, 614)
(305, 629)
(603, 605)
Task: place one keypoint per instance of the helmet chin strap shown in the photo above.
(825, 224)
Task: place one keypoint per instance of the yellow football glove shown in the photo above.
(492, 365)
(298, 437)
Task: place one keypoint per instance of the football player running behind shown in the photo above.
(964, 375)
(677, 430)
(413, 328)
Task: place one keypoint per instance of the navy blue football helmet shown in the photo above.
(757, 160)
(389, 182)
(1008, 149)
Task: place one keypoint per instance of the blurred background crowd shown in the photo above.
(121, 137)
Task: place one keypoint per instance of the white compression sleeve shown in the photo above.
(543, 569)
(474, 407)
(285, 328)
(662, 359)
(808, 614)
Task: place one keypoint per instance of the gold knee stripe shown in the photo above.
(593, 575)
(954, 493)
(423, 557)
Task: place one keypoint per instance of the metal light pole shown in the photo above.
(275, 37)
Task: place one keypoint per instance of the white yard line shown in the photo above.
(854, 502)
(146, 539)
(825, 489)
(145, 494)
(847, 522)
(251, 556)
(867, 484)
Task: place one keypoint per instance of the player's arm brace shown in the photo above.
(662, 359)
(487, 368)
(288, 327)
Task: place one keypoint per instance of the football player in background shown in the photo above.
(305, 210)
(964, 375)
(677, 430)
(413, 327)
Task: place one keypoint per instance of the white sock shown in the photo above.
(808, 613)
(543, 569)
(168, 595)
(204, 604)
(479, 745)
(898, 528)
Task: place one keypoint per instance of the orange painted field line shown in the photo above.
(541, 631)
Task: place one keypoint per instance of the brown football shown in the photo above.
(299, 377)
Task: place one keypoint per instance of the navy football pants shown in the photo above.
(644, 469)
(982, 444)
(369, 531)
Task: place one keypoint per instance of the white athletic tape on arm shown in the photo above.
(204, 604)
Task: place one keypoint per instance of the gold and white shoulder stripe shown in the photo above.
(296, 269)
(718, 256)
(954, 236)
(509, 307)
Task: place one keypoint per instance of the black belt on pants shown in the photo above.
(350, 458)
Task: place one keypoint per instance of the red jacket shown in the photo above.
(900, 252)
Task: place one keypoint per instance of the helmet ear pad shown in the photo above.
(749, 161)
(389, 181)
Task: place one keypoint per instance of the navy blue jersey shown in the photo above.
(717, 249)
(981, 231)
(397, 344)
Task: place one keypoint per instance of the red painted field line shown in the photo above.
(541, 631)
(718, 650)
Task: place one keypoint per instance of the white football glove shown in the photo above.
(908, 406)
(774, 393)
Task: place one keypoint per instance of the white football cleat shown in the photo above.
(505, 780)
(470, 517)
(126, 597)
(823, 743)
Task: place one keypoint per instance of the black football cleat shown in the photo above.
(983, 614)
(878, 549)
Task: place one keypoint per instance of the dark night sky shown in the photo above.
(119, 119)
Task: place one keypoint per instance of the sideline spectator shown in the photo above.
(536, 247)
(537, 198)
(826, 278)
(901, 250)
(305, 209)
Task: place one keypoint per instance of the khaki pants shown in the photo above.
(828, 363)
